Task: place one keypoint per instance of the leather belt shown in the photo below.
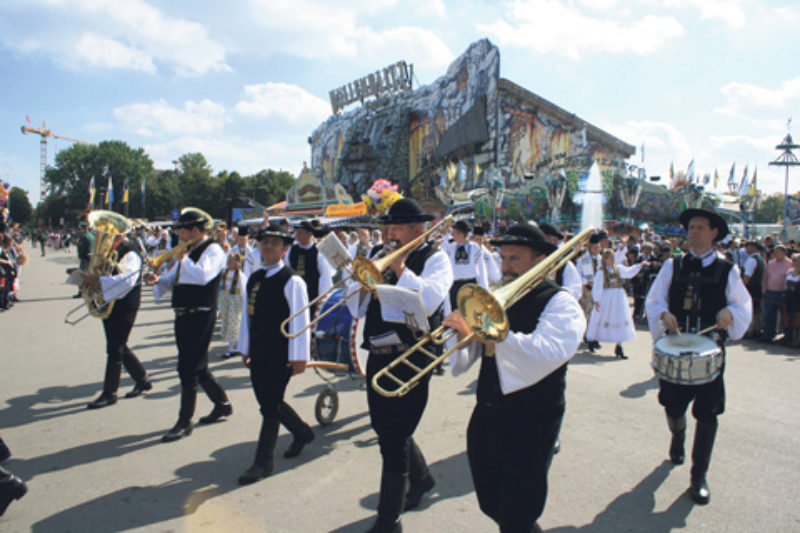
(389, 350)
(191, 311)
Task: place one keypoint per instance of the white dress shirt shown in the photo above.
(119, 285)
(472, 266)
(209, 266)
(571, 280)
(739, 301)
(524, 359)
(750, 265)
(297, 297)
(585, 267)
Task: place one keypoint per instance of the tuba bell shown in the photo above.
(102, 260)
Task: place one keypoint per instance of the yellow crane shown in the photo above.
(44, 133)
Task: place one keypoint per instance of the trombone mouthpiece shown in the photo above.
(394, 245)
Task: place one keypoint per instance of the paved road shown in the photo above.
(107, 470)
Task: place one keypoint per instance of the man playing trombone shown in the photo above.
(124, 288)
(194, 281)
(426, 270)
(520, 395)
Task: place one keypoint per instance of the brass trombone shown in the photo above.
(483, 311)
(367, 272)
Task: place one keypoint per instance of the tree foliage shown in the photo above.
(19, 207)
(770, 209)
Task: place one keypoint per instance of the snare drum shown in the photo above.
(336, 337)
(687, 359)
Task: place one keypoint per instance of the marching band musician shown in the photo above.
(271, 357)
(405, 477)
(520, 395)
(466, 257)
(194, 281)
(490, 263)
(566, 276)
(251, 259)
(304, 258)
(125, 290)
(587, 265)
(692, 292)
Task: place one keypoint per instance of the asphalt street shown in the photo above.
(107, 470)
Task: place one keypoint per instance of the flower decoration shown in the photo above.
(380, 196)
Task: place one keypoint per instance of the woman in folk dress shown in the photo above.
(611, 319)
(230, 302)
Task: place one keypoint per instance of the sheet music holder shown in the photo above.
(333, 250)
(402, 306)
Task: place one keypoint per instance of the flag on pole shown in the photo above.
(706, 178)
(752, 191)
(690, 172)
(143, 180)
(743, 183)
(716, 178)
(92, 191)
(732, 178)
(125, 191)
(28, 119)
(109, 192)
(671, 172)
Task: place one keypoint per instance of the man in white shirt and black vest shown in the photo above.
(566, 276)
(466, 257)
(304, 258)
(194, 281)
(274, 293)
(520, 395)
(692, 292)
(426, 270)
(123, 288)
(587, 265)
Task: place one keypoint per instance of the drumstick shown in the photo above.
(709, 328)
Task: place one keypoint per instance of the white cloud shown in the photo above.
(159, 119)
(291, 102)
(551, 27)
(116, 34)
(100, 51)
(740, 95)
(728, 11)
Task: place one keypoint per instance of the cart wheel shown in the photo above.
(327, 406)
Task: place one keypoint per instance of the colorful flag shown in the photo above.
(671, 172)
(125, 192)
(743, 183)
(143, 180)
(92, 191)
(731, 178)
(752, 191)
(110, 192)
(28, 119)
(690, 172)
(706, 178)
(716, 178)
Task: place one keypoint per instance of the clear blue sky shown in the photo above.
(245, 82)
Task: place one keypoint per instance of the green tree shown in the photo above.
(770, 209)
(19, 207)
(50, 211)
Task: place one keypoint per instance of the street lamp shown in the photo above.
(786, 159)
(693, 195)
(631, 188)
(556, 187)
(495, 192)
(748, 203)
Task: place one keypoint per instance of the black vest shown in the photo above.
(754, 284)
(546, 396)
(308, 270)
(190, 296)
(267, 308)
(375, 325)
(697, 292)
(131, 300)
(374, 250)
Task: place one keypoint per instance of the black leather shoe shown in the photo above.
(298, 443)
(699, 492)
(104, 400)
(179, 431)
(11, 488)
(619, 353)
(139, 388)
(417, 490)
(5, 453)
(255, 473)
(220, 410)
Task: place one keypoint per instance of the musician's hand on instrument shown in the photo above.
(724, 318)
(456, 322)
(150, 278)
(298, 367)
(246, 360)
(670, 321)
(89, 279)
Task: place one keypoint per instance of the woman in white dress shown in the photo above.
(611, 320)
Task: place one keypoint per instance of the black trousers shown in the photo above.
(709, 399)
(509, 452)
(193, 336)
(395, 419)
(269, 379)
(118, 328)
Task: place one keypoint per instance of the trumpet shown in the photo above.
(484, 312)
(367, 272)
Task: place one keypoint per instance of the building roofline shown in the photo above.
(566, 118)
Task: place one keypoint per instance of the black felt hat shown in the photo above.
(478, 230)
(242, 231)
(274, 230)
(462, 226)
(526, 235)
(551, 230)
(405, 211)
(714, 220)
(191, 218)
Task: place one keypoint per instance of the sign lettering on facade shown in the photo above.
(394, 78)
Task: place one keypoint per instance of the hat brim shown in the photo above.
(388, 219)
(541, 246)
(287, 239)
(715, 220)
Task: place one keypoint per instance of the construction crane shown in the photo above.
(44, 133)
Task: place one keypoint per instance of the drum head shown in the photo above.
(686, 343)
(358, 354)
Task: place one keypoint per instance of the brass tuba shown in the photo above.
(483, 311)
(102, 260)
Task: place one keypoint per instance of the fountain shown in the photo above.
(592, 199)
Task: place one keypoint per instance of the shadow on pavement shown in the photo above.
(638, 390)
(634, 510)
